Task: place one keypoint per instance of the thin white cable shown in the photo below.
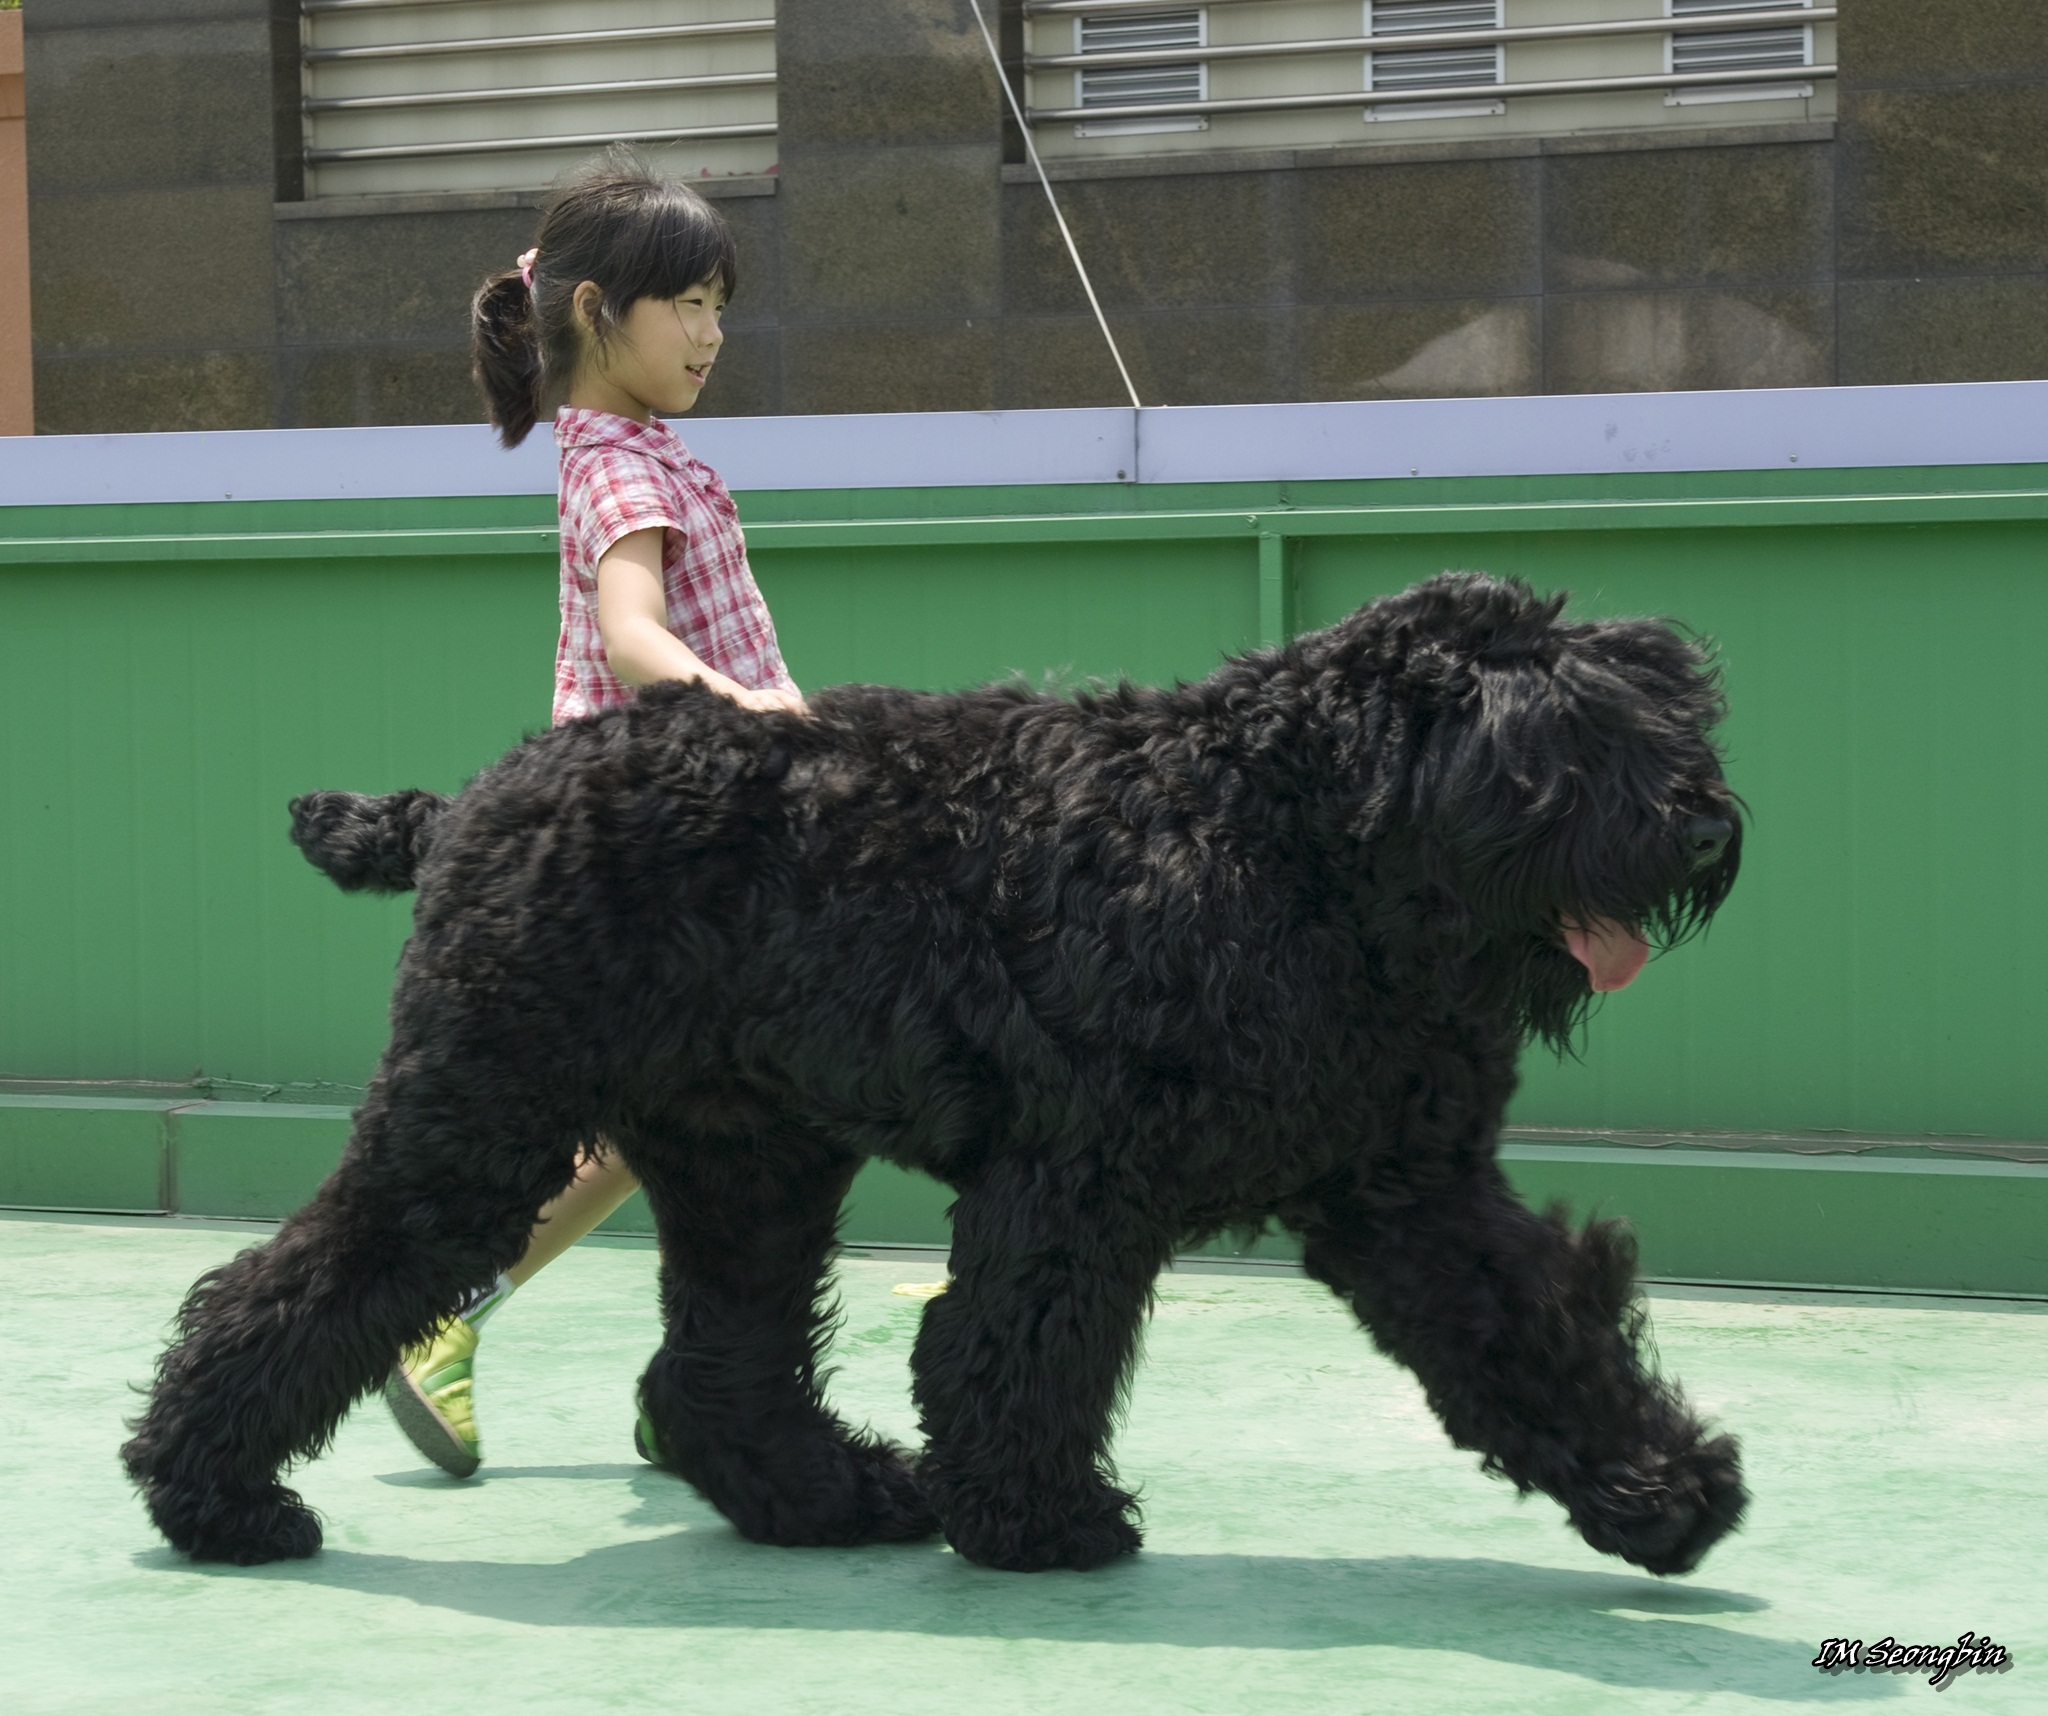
(1031, 151)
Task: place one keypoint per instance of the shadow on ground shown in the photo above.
(1617, 1629)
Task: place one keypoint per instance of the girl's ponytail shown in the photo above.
(505, 346)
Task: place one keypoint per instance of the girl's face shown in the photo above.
(657, 362)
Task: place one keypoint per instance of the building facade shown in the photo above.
(17, 372)
(250, 213)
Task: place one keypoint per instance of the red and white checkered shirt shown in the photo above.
(618, 476)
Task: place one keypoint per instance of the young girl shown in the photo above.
(613, 317)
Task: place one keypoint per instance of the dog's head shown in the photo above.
(1558, 779)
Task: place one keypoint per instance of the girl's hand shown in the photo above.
(774, 697)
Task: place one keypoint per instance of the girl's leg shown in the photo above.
(603, 1182)
(432, 1389)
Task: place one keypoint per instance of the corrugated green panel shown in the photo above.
(944, 617)
(1878, 969)
(160, 719)
(889, 1205)
(1926, 1225)
(633, 1216)
(202, 518)
(1963, 1227)
(82, 1153)
(498, 512)
(1937, 1226)
(253, 1158)
(978, 502)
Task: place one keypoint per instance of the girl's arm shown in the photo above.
(632, 617)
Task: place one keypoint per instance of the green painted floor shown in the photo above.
(1315, 1544)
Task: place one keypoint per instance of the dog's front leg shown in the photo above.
(1527, 1338)
(1021, 1365)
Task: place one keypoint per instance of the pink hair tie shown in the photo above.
(526, 268)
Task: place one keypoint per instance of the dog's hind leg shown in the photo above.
(275, 1345)
(1527, 1338)
(735, 1393)
(1021, 1366)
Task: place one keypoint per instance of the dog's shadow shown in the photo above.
(1615, 1628)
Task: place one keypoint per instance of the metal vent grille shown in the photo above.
(1129, 86)
(411, 96)
(1161, 30)
(1432, 68)
(1739, 50)
(1789, 46)
(1138, 62)
(1410, 17)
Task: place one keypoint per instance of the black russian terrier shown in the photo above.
(1123, 969)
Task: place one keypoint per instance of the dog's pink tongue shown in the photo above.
(1612, 953)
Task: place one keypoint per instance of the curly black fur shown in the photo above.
(1123, 970)
(367, 844)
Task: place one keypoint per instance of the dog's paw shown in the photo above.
(819, 1491)
(1665, 1515)
(243, 1530)
(1091, 1533)
(894, 1507)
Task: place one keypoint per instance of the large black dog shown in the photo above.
(1122, 969)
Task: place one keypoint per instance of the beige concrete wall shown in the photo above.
(152, 168)
(17, 388)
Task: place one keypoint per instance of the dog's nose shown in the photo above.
(1707, 838)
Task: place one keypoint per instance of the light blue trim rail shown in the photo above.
(1822, 428)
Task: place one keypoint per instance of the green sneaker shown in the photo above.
(647, 1442)
(429, 1393)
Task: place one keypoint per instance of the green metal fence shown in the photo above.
(176, 670)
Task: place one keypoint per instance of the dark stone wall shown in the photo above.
(1562, 268)
(151, 177)
(890, 278)
(1942, 184)
(903, 264)
(373, 312)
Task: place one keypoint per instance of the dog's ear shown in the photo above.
(1398, 666)
(1433, 641)
(1542, 716)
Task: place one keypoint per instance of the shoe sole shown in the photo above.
(425, 1428)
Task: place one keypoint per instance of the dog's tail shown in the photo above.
(367, 843)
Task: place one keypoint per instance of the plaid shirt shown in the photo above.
(617, 477)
